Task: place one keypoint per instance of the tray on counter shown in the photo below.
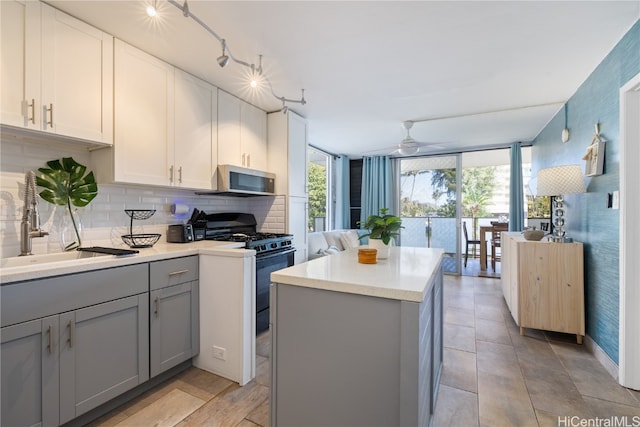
(109, 251)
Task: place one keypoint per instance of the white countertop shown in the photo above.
(405, 275)
(159, 251)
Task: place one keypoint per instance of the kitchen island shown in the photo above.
(357, 344)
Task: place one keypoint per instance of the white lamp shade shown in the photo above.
(560, 180)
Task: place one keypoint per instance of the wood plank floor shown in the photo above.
(492, 376)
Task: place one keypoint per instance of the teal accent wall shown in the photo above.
(588, 218)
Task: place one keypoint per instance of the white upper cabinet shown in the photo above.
(164, 125)
(57, 73)
(288, 153)
(229, 148)
(242, 133)
(297, 155)
(253, 136)
(144, 118)
(12, 32)
(195, 113)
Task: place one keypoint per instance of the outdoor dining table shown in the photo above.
(484, 229)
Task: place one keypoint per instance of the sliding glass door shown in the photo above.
(430, 205)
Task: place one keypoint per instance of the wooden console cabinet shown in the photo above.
(543, 284)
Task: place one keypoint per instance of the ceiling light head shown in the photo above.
(255, 78)
(151, 11)
(224, 58)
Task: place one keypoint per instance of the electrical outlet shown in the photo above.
(615, 202)
(219, 352)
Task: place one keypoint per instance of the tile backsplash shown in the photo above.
(104, 220)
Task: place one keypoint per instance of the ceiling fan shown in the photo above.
(409, 146)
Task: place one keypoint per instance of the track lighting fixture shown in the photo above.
(185, 9)
(284, 100)
(224, 58)
(256, 72)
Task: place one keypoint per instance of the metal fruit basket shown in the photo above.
(139, 214)
(140, 240)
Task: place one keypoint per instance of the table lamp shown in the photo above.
(558, 181)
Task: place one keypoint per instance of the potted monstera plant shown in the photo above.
(67, 183)
(381, 229)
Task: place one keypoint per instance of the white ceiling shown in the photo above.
(367, 66)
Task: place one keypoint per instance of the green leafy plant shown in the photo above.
(66, 183)
(383, 226)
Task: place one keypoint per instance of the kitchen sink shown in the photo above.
(36, 260)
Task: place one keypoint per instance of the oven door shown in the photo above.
(265, 265)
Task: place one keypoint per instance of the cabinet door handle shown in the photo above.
(243, 159)
(157, 309)
(50, 345)
(33, 110)
(180, 174)
(171, 173)
(72, 330)
(50, 111)
(248, 160)
(175, 273)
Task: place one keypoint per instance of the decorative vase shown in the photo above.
(70, 228)
(383, 250)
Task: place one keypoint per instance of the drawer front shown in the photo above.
(23, 301)
(173, 272)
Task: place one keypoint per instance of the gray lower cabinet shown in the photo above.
(104, 352)
(174, 321)
(71, 343)
(30, 373)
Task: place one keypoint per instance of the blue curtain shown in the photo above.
(516, 198)
(377, 186)
(343, 199)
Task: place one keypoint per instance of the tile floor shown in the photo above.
(492, 376)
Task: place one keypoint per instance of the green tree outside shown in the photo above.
(317, 181)
(477, 189)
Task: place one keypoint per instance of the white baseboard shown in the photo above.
(601, 356)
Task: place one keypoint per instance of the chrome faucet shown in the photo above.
(30, 225)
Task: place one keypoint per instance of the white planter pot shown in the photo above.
(383, 250)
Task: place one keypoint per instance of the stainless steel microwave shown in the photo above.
(239, 181)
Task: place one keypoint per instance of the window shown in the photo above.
(320, 190)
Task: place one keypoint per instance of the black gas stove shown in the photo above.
(238, 227)
(262, 243)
